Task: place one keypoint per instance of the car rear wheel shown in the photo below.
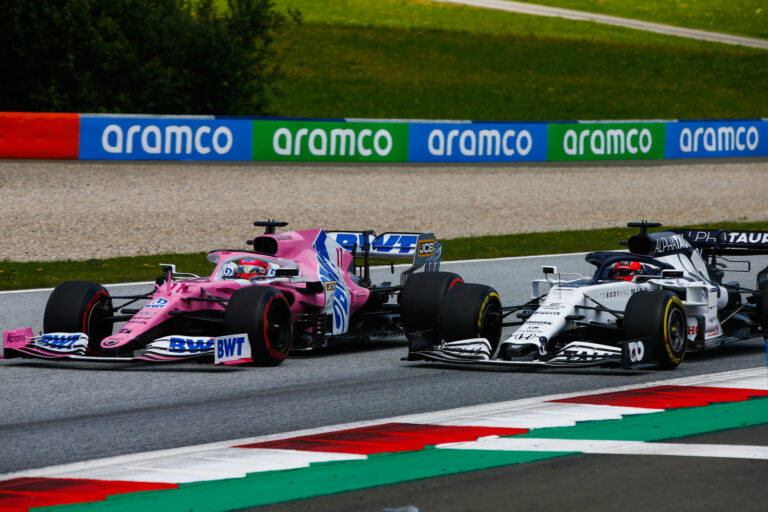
(420, 304)
(472, 311)
(762, 307)
(264, 315)
(658, 315)
(80, 306)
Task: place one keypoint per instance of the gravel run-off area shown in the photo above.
(55, 210)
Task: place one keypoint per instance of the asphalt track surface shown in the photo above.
(671, 30)
(61, 412)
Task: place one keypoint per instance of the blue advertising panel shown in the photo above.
(477, 142)
(704, 139)
(164, 138)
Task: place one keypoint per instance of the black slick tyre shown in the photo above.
(658, 315)
(80, 306)
(263, 314)
(471, 311)
(762, 307)
(420, 304)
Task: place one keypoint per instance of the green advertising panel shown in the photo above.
(330, 141)
(605, 141)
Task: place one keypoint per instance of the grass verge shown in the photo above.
(362, 71)
(34, 274)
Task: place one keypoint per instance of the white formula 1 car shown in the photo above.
(644, 307)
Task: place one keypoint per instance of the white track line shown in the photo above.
(670, 30)
(512, 444)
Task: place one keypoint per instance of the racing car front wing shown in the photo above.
(478, 351)
(228, 350)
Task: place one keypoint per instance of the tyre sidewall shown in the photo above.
(71, 308)
(465, 314)
(647, 316)
(420, 304)
(247, 312)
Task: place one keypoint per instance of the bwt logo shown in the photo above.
(60, 341)
(229, 347)
(190, 345)
(172, 139)
(158, 303)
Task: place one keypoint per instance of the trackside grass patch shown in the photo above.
(336, 71)
(40, 274)
(427, 60)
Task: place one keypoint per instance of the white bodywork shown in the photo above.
(569, 301)
(568, 298)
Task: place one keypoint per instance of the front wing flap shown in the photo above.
(477, 351)
(230, 349)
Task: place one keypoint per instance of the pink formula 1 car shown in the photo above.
(293, 290)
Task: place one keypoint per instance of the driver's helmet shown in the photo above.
(627, 270)
(248, 268)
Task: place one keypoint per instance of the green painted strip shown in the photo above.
(319, 479)
(384, 469)
(667, 424)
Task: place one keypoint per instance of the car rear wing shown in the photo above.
(422, 248)
(725, 242)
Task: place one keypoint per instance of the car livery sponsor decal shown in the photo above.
(164, 138)
(329, 271)
(64, 343)
(635, 351)
(190, 345)
(426, 247)
(386, 244)
(232, 348)
(747, 237)
(697, 139)
(158, 303)
(605, 141)
(477, 142)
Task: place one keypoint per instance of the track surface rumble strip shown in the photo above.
(285, 467)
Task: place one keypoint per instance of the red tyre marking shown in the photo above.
(455, 282)
(271, 351)
(94, 300)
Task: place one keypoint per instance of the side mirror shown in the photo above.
(549, 269)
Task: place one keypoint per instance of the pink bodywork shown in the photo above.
(294, 249)
(16, 339)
